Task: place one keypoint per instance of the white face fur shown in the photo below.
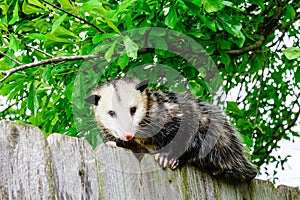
(121, 108)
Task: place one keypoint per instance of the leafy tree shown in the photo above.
(45, 44)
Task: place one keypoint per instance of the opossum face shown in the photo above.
(119, 107)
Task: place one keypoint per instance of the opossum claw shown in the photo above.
(163, 161)
(173, 163)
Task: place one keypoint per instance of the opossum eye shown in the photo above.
(112, 113)
(132, 110)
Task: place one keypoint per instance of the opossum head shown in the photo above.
(120, 106)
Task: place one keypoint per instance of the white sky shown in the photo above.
(291, 174)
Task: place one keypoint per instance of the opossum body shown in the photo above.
(175, 128)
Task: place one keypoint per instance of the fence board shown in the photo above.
(74, 170)
(63, 167)
(24, 163)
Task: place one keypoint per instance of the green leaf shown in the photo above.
(160, 43)
(54, 120)
(36, 36)
(65, 4)
(225, 58)
(248, 140)
(193, 5)
(232, 5)
(228, 3)
(143, 6)
(297, 75)
(65, 33)
(196, 89)
(210, 23)
(195, 34)
(124, 5)
(243, 124)
(3, 25)
(29, 9)
(123, 61)
(235, 29)
(4, 65)
(292, 53)
(260, 129)
(37, 3)
(171, 18)
(224, 44)
(212, 5)
(131, 47)
(57, 23)
(15, 14)
(62, 35)
(110, 51)
(47, 73)
(32, 99)
(13, 42)
(289, 12)
(89, 5)
(260, 3)
(233, 107)
(100, 37)
(8, 88)
(4, 7)
(53, 39)
(190, 72)
(112, 25)
(240, 41)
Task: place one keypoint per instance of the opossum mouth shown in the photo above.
(127, 137)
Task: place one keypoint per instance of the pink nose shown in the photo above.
(128, 137)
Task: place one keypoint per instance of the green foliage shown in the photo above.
(246, 41)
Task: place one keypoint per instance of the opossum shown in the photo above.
(174, 127)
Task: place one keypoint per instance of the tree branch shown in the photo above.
(43, 62)
(260, 89)
(36, 49)
(277, 138)
(281, 133)
(11, 58)
(71, 14)
(254, 46)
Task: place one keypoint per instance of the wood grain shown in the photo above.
(62, 167)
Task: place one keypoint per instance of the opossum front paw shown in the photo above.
(163, 160)
(111, 144)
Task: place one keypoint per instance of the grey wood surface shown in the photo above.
(62, 167)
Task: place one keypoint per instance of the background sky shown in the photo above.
(291, 174)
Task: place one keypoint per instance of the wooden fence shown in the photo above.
(61, 167)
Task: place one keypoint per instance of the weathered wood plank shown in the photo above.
(285, 192)
(73, 167)
(24, 163)
(63, 167)
(119, 174)
(158, 183)
(123, 178)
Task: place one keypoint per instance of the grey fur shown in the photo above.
(178, 129)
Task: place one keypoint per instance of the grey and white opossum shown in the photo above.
(174, 127)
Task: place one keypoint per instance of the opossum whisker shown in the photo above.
(180, 128)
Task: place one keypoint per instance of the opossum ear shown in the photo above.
(93, 99)
(142, 85)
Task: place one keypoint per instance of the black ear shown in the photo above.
(93, 99)
(142, 85)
